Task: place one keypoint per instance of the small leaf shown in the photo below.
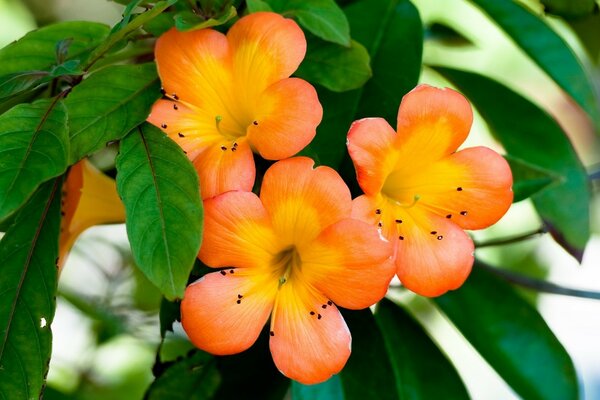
(529, 179)
(160, 190)
(108, 104)
(188, 21)
(34, 147)
(512, 337)
(28, 254)
(442, 33)
(569, 8)
(21, 82)
(331, 389)
(547, 49)
(258, 5)
(335, 67)
(416, 358)
(531, 135)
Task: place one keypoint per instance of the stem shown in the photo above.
(511, 239)
(537, 284)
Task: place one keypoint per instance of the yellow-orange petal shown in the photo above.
(302, 200)
(350, 263)
(309, 344)
(471, 187)
(237, 232)
(432, 123)
(194, 67)
(371, 147)
(89, 198)
(286, 119)
(224, 166)
(224, 313)
(434, 255)
(265, 48)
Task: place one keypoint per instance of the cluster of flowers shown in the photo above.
(303, 246)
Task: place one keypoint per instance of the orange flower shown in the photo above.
(231, 94)
(295, 252)
(89, 198)
(422, 193)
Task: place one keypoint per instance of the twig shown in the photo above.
(511, 239)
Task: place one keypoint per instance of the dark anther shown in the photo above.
(433, 232)
(329, 303)
(449, 216)
(231, 271)
(240, 296)
(239, 301)
(162, 91)
(164, 126)
(235, 144)
(175, 107)
(378, 211)
(440, 237)
(175, 97)
(459, 189)
(184, 152)
(223, 148)
(319, 316)
(324, 306)
(398, 221)
(180, 134)
(62, 213)
(380, 224)
(272, 333)
(233, 149)
(312, 313)
(401, 237)
(463, 213)
(255, 122)
(223, 273)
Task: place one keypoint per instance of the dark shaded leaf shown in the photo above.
(109, 104)
(34, 147)
(531, 135)
(160, 190)
(28, 254)
(529, 179)
(188, 21)
(331, 389)
(569, 8)
(415, 357)
(588, 31)
(512, 336)
(168, 314)
(444, 34)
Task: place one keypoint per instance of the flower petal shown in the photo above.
(371, 147)
(432, 123)
(309, 344)
(302, 201)
(222, 168)
(224, 313)
(286, 120)
(434, 255)
(237, 232)
(265, 48)
(350, 263)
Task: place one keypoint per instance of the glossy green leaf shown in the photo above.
(322, 18)
(34, 147)
(368, 373)
(336, 67)
(108, 104)
(331, 389)
(569, 8)
(160, 190)
(415, 358)
(19, 82)
(529, 179)
(187, 20)
(37, 49)
(258, 5)
(193, 378)
(512, 337)
(531, 135)
(28, 254)
(547, 49)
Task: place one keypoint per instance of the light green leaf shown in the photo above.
(28, 254)
(34, 147)
(258, 5)
(512, 337)
(188, 21)
(108, 104)
(529, 179)
(159, 187)
(336, 67)
(546, 49)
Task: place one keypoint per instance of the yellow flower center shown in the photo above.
(286, 264)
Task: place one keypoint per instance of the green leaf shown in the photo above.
(442, 33)
(335, 67)
(109, 104)
(258, 5)
(512, 336)
(569, 8)
(34, 147)
(588, 32)
(37, 49)
(368, 372)
(188, 21)
(531, 135)
(323, 18)
(193, 378)
(416, 358)
(28, 254)
(331, 389)
(160, 190)
(529, 179)
(547, 49)
(20, 82)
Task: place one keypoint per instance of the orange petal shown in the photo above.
(309, 344)
(194, 67)
(89, 198)
(224, 313)
(286, 120)
(237, 232)
(302, 201)
(434, 254)
(432, 123)
(350, 263)
(265, 48)
(371, 147)
(223, 167)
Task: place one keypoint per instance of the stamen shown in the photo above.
(433, 232)
(175, 107)
(312, 313)
(240, 296)
(319, 316)
(180, 134)
(223, 273)
(416, 198)
(380, 224)
(223, 148)
(164, 126)
(218, 120)
(233, 149)
(239, 301)
(449, 216)
(463, 213)
(459, 189)
(255, 123)
(231, 271)
(175, 97)
(378, 211)
(440, 237)
(282, 280)
(329, 303)
(324, 306)
(398, 221)
(235, 144)
(272, 333)
(401, 237)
